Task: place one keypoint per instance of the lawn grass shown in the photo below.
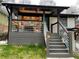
(22, 52)
(76, 56)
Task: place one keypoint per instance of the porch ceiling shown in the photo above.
(37, 10)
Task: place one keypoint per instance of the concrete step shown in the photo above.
(53, 50)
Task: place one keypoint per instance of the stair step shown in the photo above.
(56, 46)
(55, 40)
(59, 55)
(58, 50)
(53, 37)
(56, 43)
(55, 34)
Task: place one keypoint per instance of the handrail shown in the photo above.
(53, 25)
(65, 36)
(64, 28)
(63, 33)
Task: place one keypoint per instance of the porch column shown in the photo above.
(10, 27)
(43, 17)
(58, 18)
(9, 20)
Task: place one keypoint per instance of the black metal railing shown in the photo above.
(52, 26)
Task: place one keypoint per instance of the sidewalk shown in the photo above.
(62, 58)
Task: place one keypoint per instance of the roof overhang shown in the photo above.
(38, 10)
(69, 15)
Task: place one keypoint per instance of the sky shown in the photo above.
(59, 2)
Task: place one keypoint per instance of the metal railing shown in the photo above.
(28, 29)
(67, 37)
(52, 26)
(63, 33)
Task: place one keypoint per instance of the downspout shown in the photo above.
(9, 21)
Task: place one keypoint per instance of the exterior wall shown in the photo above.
(26, 38)
(70, 22)
(52, 21)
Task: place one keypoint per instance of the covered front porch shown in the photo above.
(28, 24)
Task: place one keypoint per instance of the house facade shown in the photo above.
(45, 25)
(26, 23)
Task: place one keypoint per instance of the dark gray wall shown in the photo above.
(26, 38)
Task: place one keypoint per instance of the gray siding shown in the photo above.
(26, 38)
